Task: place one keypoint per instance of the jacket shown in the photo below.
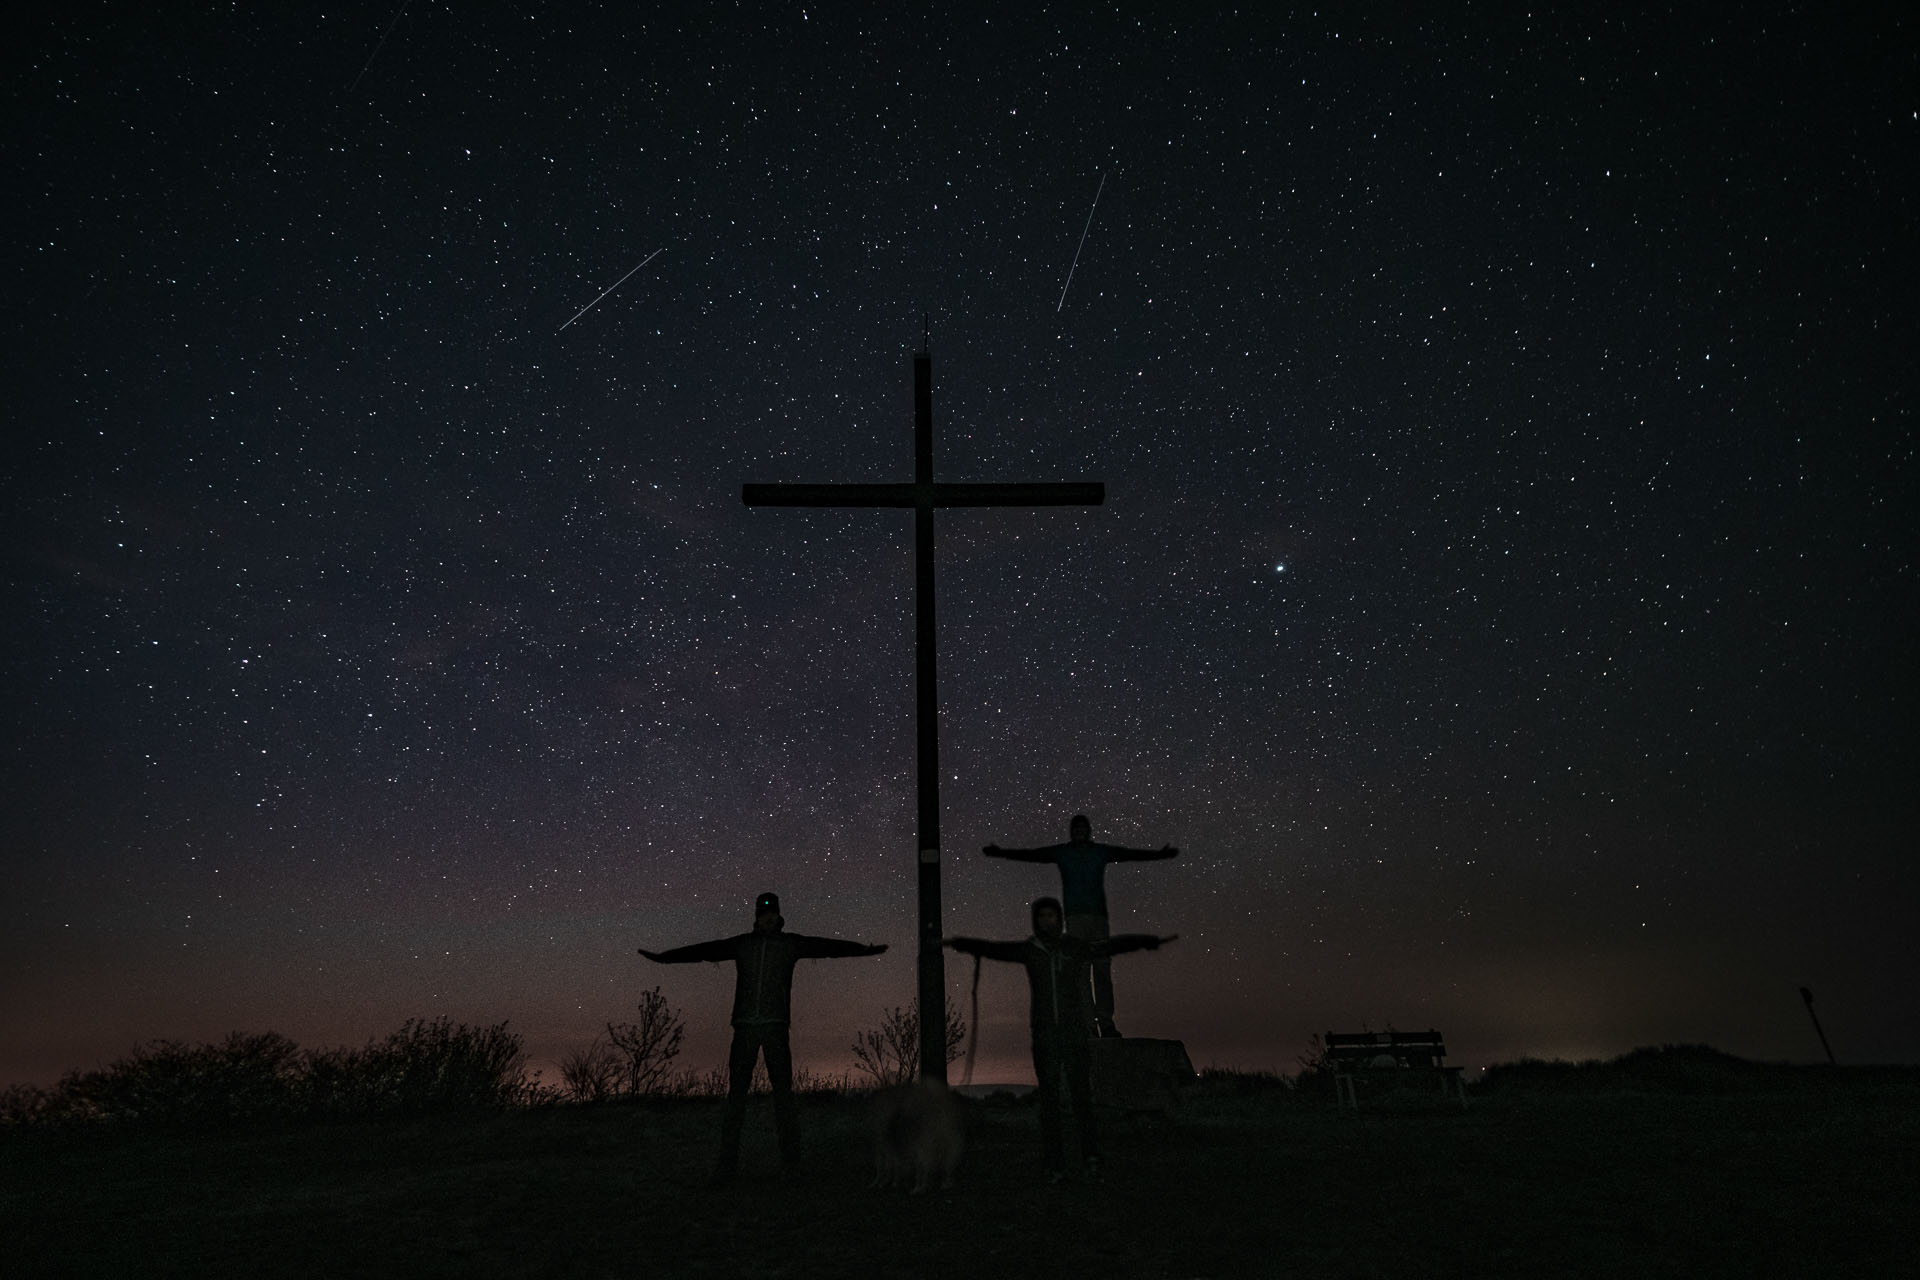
(1056, 970)
(763, 967)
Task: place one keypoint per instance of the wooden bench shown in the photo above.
(1396, 1057)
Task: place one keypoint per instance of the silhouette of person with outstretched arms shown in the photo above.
(1083, 867)
(762, 1001)
(1056, 964)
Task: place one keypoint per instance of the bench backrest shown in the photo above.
(1406, 1048)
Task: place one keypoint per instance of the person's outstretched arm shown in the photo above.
(835, 948)
(1121, 943)
(1117, 854)
(1023, 855)
(1010, 951)
(718, 949)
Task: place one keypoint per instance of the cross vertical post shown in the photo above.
(926, 719)
(923, 495)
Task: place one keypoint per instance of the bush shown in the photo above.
(648, 1047)
(1230, 1082)
(424, 1066)
(29, 1104)
(1316, 1076)
(631, 1060)
(890, 1053)
(591, 1074)
(245, 1077)
(1670, 1068)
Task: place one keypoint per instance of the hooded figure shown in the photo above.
(763, 961)
(1056, 965)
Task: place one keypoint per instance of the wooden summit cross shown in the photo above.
(923, 495)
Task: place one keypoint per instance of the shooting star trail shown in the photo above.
(1080, 246)
(615, 285)
(381, 44)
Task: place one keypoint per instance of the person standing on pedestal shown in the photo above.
(1083, 866)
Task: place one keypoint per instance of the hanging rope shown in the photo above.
(973, 1028)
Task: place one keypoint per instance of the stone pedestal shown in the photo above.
(1136, 1074)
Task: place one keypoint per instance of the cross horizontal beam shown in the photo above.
(912, 495)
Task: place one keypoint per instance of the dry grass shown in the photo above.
(1785, 1171)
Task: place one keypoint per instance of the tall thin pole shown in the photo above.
(933, 969)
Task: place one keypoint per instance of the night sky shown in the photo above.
(1505, 594)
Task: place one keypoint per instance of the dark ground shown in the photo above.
(1796, 1172)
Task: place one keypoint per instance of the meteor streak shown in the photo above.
(381, 44)
(1081, 245)
(615, 285)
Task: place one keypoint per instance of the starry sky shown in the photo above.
(1504, 597)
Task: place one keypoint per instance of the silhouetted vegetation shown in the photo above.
(436, 1065)
(1669, 1068)
(631, 1060)
(889, 1054)
(244, 1077)
(427, 1065)
(712, 1083)
(1228, 1082)
(1316, 1075)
